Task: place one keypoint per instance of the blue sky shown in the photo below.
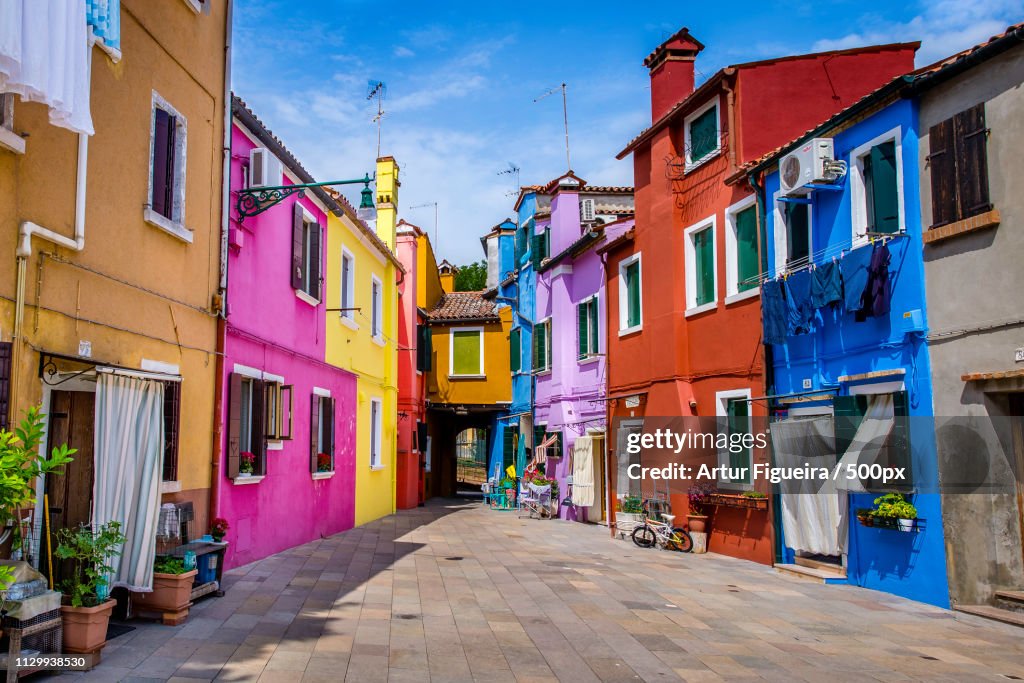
(461, 79)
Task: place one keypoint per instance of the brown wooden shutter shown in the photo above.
(314, 430)
(259, 447)
(161, 180)
(298, 247)
(942, 161)
(971, 160)
(234, 423)
(314, 260)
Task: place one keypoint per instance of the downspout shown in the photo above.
(608, 508)
(222, 286)
(730, 104)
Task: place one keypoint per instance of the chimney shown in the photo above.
(387, 200)
(671, 69)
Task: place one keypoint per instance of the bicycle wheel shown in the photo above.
(644, 536)
(679, 541)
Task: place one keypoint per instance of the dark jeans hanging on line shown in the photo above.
(826, 285)
(773, 313)
(879, 290)
(800, 314)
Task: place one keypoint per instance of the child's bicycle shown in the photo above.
(650, 533)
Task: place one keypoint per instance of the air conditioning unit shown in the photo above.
(265, 169)
(587, 210)
(813, 162)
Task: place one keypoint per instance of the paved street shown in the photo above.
(454, 592)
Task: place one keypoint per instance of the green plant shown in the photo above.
(247, 463)
(894, 506)
(507, 483)
(91, 554)
(632, 505)
(169, 565)
(754, 494)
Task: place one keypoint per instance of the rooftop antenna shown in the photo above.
(423, 206)
(379, 90)
(512, 170)
(565, 118)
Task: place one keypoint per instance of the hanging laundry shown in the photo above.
(879, 290)
(854, 269)
(773, 313)
(826, 285)
(800, 314)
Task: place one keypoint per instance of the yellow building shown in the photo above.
(111, 278)
(362, 336)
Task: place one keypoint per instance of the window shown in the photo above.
(424, 348)
(958, 158)
(246, 443)
(702, 134)
(509, 447)
(376, 309)
(5, 382)
(626, 485)
(8, 138)
(348, 285)
(467, 352)
(542, 346)
(321, 432)
(630, 295)
(515, 350)
(540, 248)
(733, 410)
(305, 255)
(742, 265)
(701, 275)
(588, 335)
(876, 186)
(375, 434)
(166, 208)
(172, 420)
(893, 447)
(278, 410)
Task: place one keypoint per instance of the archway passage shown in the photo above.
(471, 457)
(462, 442)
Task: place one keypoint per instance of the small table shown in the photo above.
(201, 548)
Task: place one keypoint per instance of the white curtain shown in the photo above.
(872, 433)
(44, 57)
(583, 472)
(813, 514)
(129, 467)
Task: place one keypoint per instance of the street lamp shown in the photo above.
(254, 201)
(366, 212)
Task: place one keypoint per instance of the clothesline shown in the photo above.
(815, 258)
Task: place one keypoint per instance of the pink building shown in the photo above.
(286, 474)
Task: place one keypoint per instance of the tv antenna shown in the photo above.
(513, 171)
(565, 117)
(423, 206)
(379, 90)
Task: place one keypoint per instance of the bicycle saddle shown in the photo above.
(668, 518)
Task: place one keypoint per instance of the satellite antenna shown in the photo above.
(379, 90)
(512, 170)
(423, 206)
(565, 118)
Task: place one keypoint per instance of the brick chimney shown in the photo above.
(671, 68)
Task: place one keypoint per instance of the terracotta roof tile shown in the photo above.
(463, 306)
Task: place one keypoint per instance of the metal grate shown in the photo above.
(172, 419)
(5, 381)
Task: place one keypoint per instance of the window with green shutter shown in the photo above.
(739, 423)
(586, 325)
(880, 188)
(798, 233)
(515, 353)
(509, 442)
(632, 284)
(748, 268)
(467, 352)
(542, 346)
(703, 135)
(704, 259)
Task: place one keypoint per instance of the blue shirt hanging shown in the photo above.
(800, 314)
(826, 285)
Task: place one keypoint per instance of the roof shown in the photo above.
(574, 249)
(618, 241)
(331, 198)
(606, 189)
(463, 306)
(908, 84)
(697, 97)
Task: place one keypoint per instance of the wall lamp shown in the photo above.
(256, 200)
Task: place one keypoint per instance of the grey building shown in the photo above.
(971, 120)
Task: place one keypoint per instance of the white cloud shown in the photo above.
(403, 51)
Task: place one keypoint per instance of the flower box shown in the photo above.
(733, 500)
(907, 526)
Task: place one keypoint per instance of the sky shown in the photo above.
(463, 81)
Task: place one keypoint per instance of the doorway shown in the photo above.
(598, 511)
(1017, 417)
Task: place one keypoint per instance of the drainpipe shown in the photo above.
(222, 287)
(730, 104)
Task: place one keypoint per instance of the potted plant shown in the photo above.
(865, 516)
(323, 463)
(219, 529)
(246, 464)
(172, 591)
(86, 609)
(894, 507)
(697, 517)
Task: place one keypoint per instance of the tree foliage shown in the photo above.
(471, 277)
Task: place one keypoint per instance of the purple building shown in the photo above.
(572, 222)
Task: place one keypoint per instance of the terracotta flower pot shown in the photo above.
(697, 523)
(85, 628)
(171, 593)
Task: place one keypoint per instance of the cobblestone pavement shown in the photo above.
(455, 592)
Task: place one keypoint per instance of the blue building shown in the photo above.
(844, 312)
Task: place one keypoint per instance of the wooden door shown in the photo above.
(72, 419)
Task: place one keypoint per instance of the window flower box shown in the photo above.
(732, 500)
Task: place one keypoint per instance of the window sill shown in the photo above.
(318, 476)
(195, 6)
(170, 486)
(467, 376)
(254, 479)
(377, 468)
(630, 330)
(586, 360)
(275, 445)
(12, 141)
(348, 322)
(742, 296)
(703, 308)
(988, 219)
(170, 227)
(694, 165)
(303, 296)
(379, 341)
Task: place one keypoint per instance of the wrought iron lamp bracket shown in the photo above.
(254, 201)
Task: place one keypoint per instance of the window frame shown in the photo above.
(252, 386)
(624, 327)
(722, 400)
(515, 362)
(780, 236)
(690, 163)
(732, 251)
(274, 390)
(175, 224)
(347, 286)
(325, 437)
(958, 166)
(690, 254)
(8, 138)
(376, 434)
(593, 351)
(858, 187)
(377, 309)
(451, 353)
(172, 429)
(546, 368)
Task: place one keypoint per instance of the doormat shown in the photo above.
(115, 630)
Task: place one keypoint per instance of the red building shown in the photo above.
(683, 309)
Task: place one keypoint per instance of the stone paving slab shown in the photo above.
(456, 592)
